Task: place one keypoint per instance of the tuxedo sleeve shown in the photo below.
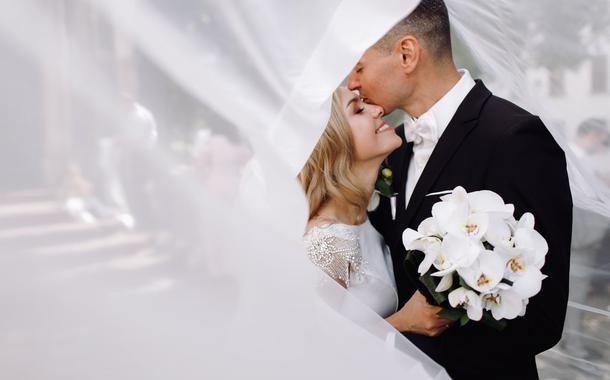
(528, 169)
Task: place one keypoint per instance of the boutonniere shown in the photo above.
(383, 188)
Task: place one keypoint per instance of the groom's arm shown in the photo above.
(529, 170)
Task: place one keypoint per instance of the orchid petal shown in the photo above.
(510, 305)
(374, 202)
(528, 283)
(427, 262)
(475, 312)
(533, 243)
(485, 274)
(504, 304)
(498, 233)
(458, 195)
(457, 297)
(456, 252)
(409, 236)
(445, 283)
(429, 227)
(525, 302)
(490, 202)
(526, 221)
(502, 286)
(468, 300)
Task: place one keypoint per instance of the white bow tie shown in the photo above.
(423, 129)
(423, 132)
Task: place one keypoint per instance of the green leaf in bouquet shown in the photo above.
(464, 319)
(431, 283)
(411, 263)
(452, 314)
(464, 284)
(415, 258)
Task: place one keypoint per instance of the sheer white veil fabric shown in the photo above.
(183, 257)
(130, 260)
(501, 44)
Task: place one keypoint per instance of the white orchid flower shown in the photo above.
(485, 273)
(499, 232)
(531, 242)
(503, 303)
(525, 260)
(454, 217)
(414, 241)
(528, 283)
(469, 214)
(522, 267)
(468, 300)
(428, 244)
(456, 252)
(485, 201)
(452, 206)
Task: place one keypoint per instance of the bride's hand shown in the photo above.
(417, 316)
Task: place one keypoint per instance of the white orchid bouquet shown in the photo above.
(475, 259)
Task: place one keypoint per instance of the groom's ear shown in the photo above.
(408, 48)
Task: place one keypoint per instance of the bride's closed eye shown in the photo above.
(360, 110)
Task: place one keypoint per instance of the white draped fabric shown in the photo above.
(150, 221)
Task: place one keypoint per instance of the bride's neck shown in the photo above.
(337, 211)
(365, 174)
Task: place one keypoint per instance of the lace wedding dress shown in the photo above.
(357, 256)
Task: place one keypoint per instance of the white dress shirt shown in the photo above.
(434, 121)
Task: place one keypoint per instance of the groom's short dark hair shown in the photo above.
(429, 22)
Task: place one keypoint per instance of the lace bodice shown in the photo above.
(336, 250)
(357, 256)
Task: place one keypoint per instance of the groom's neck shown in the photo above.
(429, 87)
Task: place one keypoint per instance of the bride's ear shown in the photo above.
(409, 50)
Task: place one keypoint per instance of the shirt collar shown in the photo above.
(446, 107)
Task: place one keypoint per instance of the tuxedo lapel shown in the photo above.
(464, 120)
(402, 162)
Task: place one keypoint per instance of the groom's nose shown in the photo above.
(353, 82)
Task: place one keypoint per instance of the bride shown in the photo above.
(338, 179)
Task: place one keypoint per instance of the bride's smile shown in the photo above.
(372, 137)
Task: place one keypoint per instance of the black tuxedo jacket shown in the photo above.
(490, 144)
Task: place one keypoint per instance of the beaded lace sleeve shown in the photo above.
(335, 250)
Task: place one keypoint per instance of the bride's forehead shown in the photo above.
(345, 94)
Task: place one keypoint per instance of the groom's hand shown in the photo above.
(419, 317)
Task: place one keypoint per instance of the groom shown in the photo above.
(459, 134)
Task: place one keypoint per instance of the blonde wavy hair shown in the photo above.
(327, 174)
